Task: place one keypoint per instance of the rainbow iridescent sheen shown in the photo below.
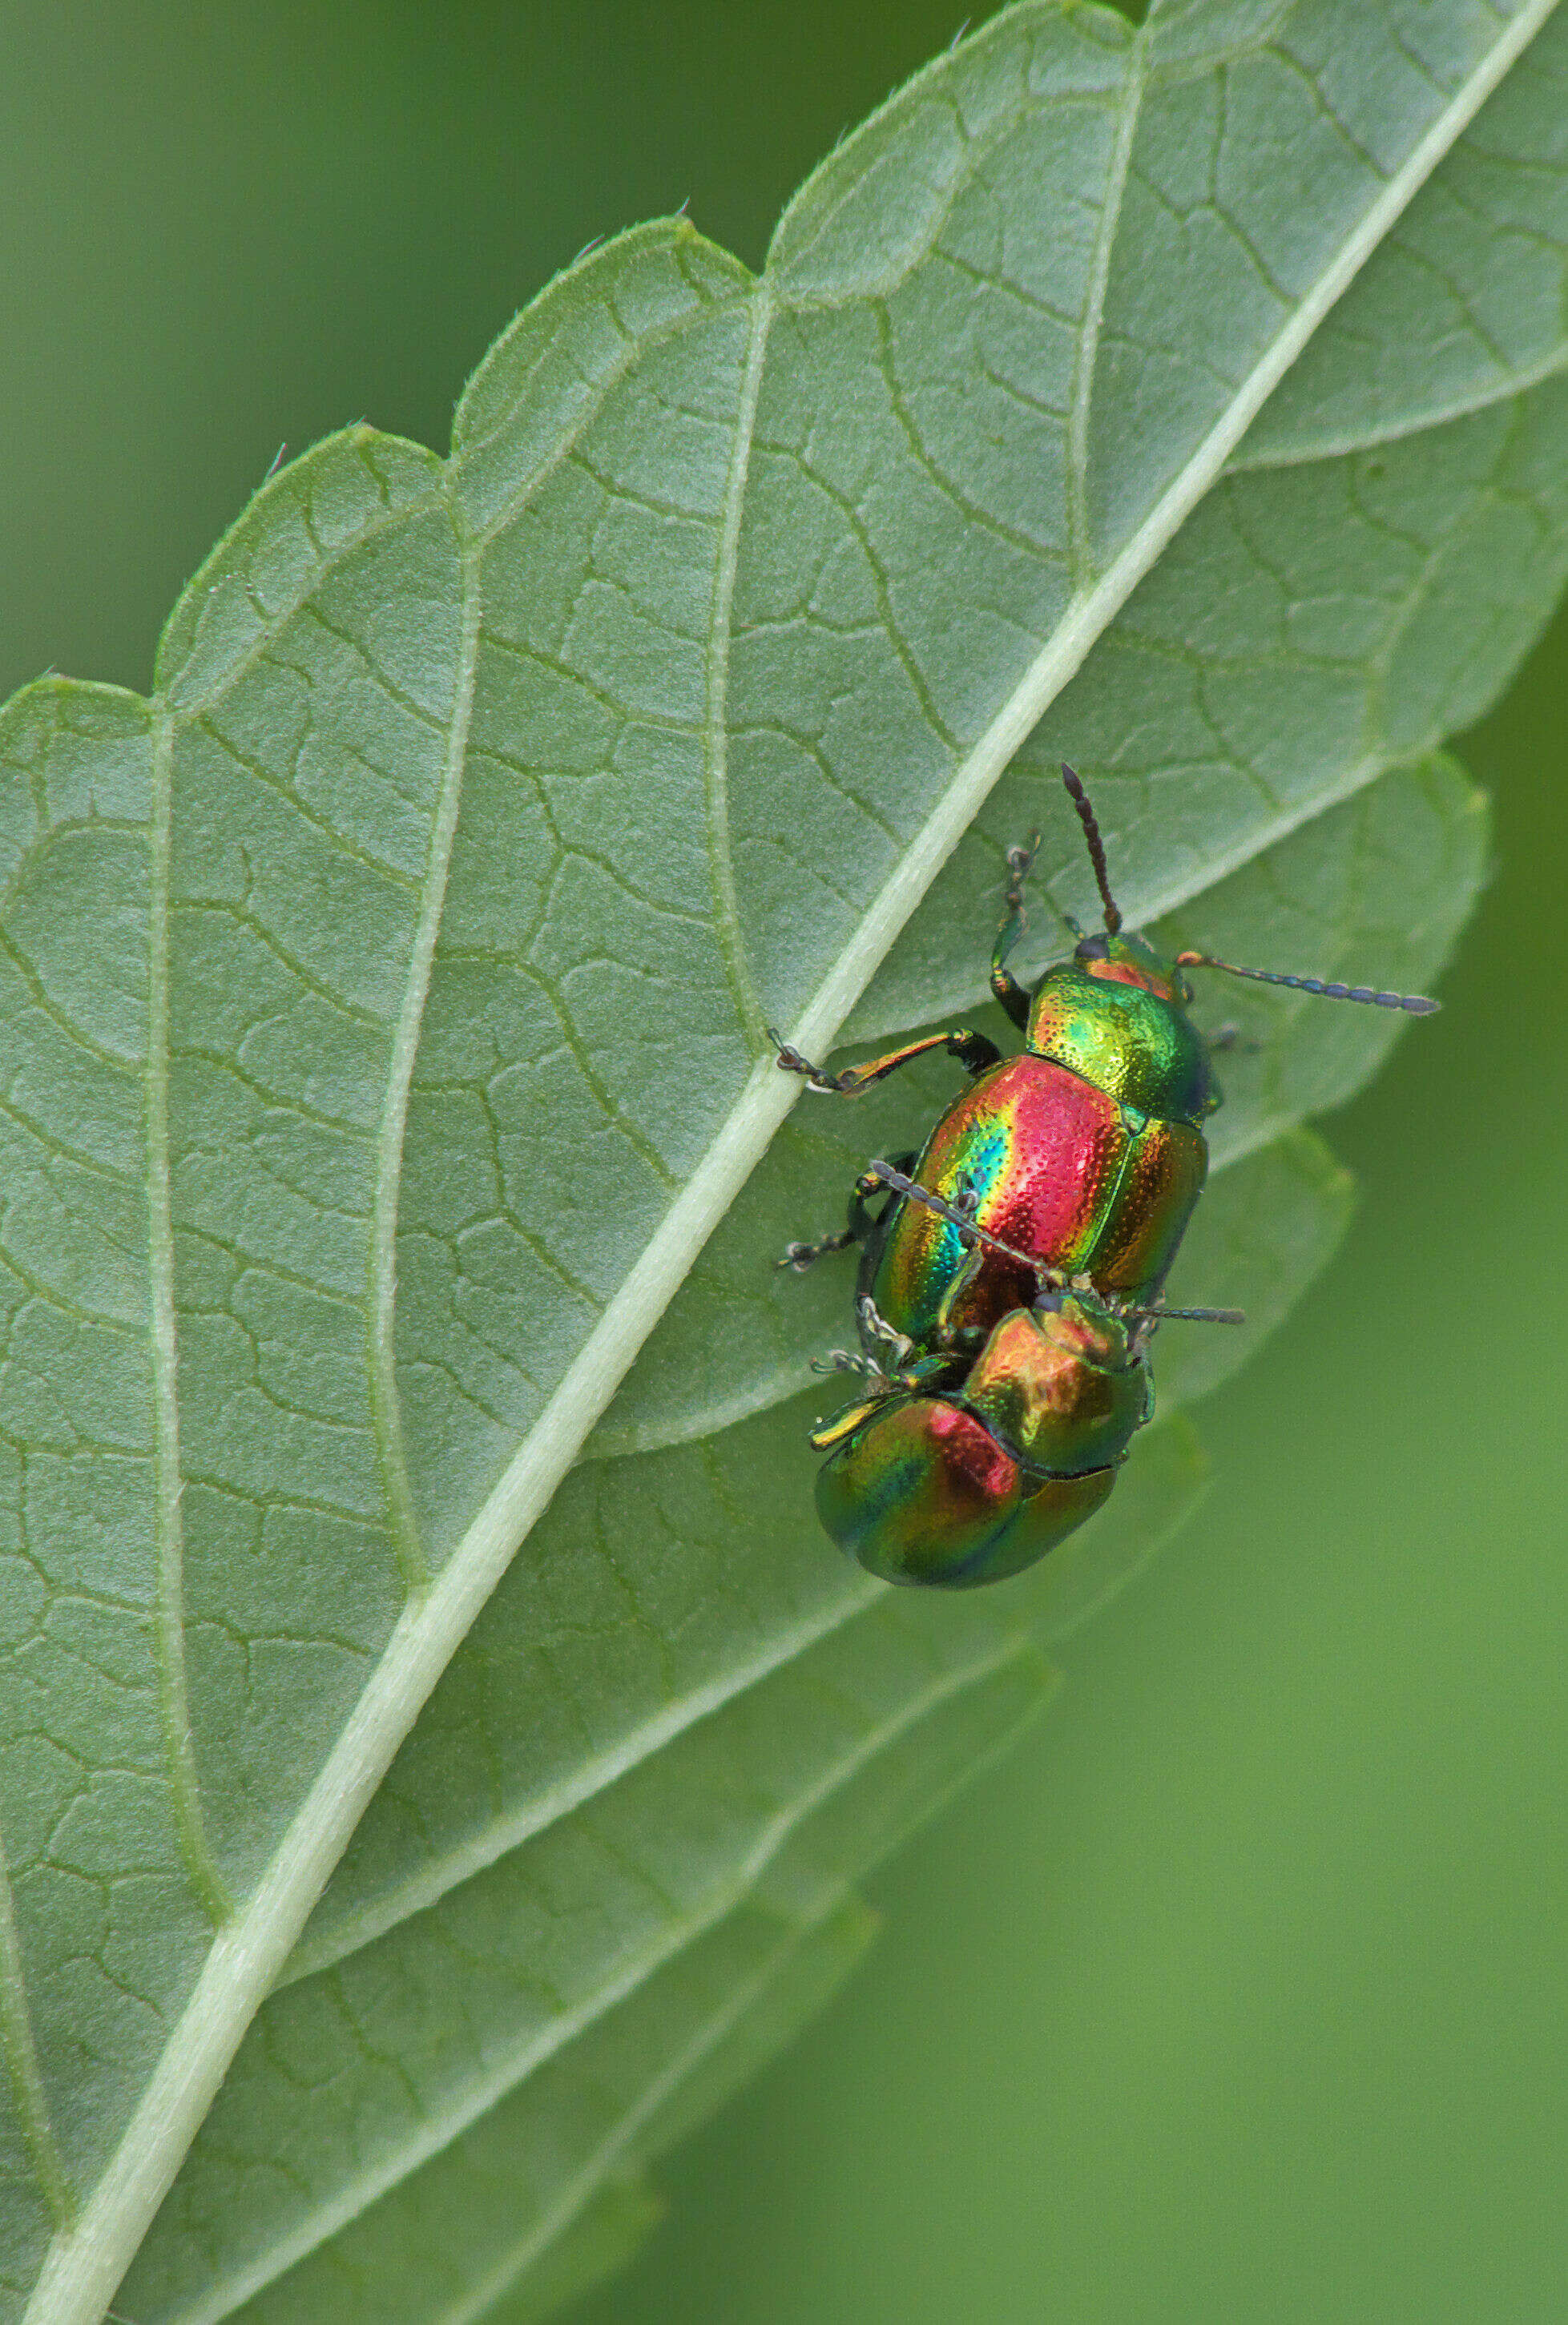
(1011, 1404)
(1061, 1170)
(998, 1287)
(972, 1484)
(1137, 1046)
(1058, 1386)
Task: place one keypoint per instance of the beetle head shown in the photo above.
(1127, 959)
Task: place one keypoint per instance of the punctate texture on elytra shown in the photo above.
(393, 1160)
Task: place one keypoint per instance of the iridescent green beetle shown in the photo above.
(968, 1478)
(1075, 1165)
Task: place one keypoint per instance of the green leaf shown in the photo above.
(383, 1010)
(1378, 884)
(743, 1833)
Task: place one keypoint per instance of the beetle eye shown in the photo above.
(1093, 949)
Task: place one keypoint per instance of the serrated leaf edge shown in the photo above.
(438, 2131)
(85, 2263)
(620, 2145)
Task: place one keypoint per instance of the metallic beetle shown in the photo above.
(969, 1478)
(1073, 1167)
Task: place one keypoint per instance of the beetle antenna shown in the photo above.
(1187, 1315)
(958, 1218)
(1416, 1003)
(1079, 797)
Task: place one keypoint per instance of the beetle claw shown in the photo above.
(971, 1449)
(794, 1062)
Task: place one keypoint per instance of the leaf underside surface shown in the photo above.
(394, 1162)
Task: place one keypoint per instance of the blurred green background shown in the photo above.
(1238, 1992)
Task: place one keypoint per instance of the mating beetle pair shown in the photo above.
(1010, 1283)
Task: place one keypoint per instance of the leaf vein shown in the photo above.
(381, 1346)
(169, 1617)
(189, 708)
(1086, 354)
(440, 2126)
(21, 2059)
(716, 730)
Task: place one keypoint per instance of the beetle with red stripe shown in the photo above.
(1070, 1170)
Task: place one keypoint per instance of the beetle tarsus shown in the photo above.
(799, 1257)
(998, 1401)
(1020, 862)
(790, 1060)
(876, 1329)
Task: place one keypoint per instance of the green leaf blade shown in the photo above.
(1376, 887)
(684, 1833)
(761, 1814)
(488, 811)
(1310, 627)
(1421, 337)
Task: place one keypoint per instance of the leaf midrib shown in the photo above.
(83, 2265)
(438, 2130)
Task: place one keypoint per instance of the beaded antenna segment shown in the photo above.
(1414, 1005)
(1012, 1271)
(1086, 817)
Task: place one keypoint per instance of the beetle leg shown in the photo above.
(882, 1340)
(842, 1423)
(972, 1050)
(800, 1255)
(862, 1223)
(852, 1360)
(1013, 996)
